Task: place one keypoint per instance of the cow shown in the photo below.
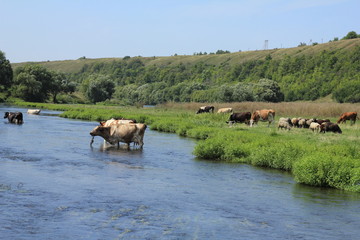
(262, 115)
(204, 109)
(330, 127)
(14, 117)
(114, 121)
(241, 117)
(126, 133)
(34, 111)
(225, 110)
(348, 116)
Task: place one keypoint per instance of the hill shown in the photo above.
(73, 66)
(291, 74)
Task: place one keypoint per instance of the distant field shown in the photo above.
(72, 66)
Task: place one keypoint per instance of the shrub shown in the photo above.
(327, 170)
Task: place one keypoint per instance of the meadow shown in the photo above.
(323, 160)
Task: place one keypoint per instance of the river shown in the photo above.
(53, 185)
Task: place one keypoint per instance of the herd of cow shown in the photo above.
(129, 131)
(268, 115)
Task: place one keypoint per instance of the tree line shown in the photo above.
(129, 80)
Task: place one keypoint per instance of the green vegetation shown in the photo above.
(293, 74)
(6, 72)
(36, 83)
(325, 160)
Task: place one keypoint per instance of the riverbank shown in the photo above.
(324, 160)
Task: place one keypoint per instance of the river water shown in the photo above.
(53, 185)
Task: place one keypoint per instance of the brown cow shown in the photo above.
(348, 116)
(127, 133)
(265, 115)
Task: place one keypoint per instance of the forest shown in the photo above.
(305, 73)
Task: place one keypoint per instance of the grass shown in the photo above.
(326, 160)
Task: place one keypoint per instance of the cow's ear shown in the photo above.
(102, 123)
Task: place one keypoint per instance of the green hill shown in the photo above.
(290, 74)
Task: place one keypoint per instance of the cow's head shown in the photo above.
(100, 131)
(6, 115)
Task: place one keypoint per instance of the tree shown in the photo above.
(268, 91)
(61, 84)
(243, 92)
(33, 83)
(98, 88)
(348, 92)
(6, 72)
(351, 35)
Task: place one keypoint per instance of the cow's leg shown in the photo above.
(118, 145)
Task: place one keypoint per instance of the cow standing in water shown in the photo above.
(204, 109)
(265, 115)
(352, 116)
(126, 133)
(14, 117)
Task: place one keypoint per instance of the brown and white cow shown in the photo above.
(126, 133)
(225, 110)
(264, 115)
(348, 116)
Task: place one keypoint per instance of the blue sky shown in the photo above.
(41, 30)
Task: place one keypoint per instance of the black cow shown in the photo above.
(16, 117)
(242, 117)
(330, 127)
(205, 109)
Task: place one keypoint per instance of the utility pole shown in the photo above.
(266, 44)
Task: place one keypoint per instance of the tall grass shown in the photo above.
(289, 109)
(326, 160)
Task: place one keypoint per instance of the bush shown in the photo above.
(327, 170)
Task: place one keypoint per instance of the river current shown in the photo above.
(53, 185)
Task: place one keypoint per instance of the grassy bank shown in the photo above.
(326, 160)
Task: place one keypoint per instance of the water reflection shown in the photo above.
(328, 196)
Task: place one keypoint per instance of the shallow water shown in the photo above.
(53, 185)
